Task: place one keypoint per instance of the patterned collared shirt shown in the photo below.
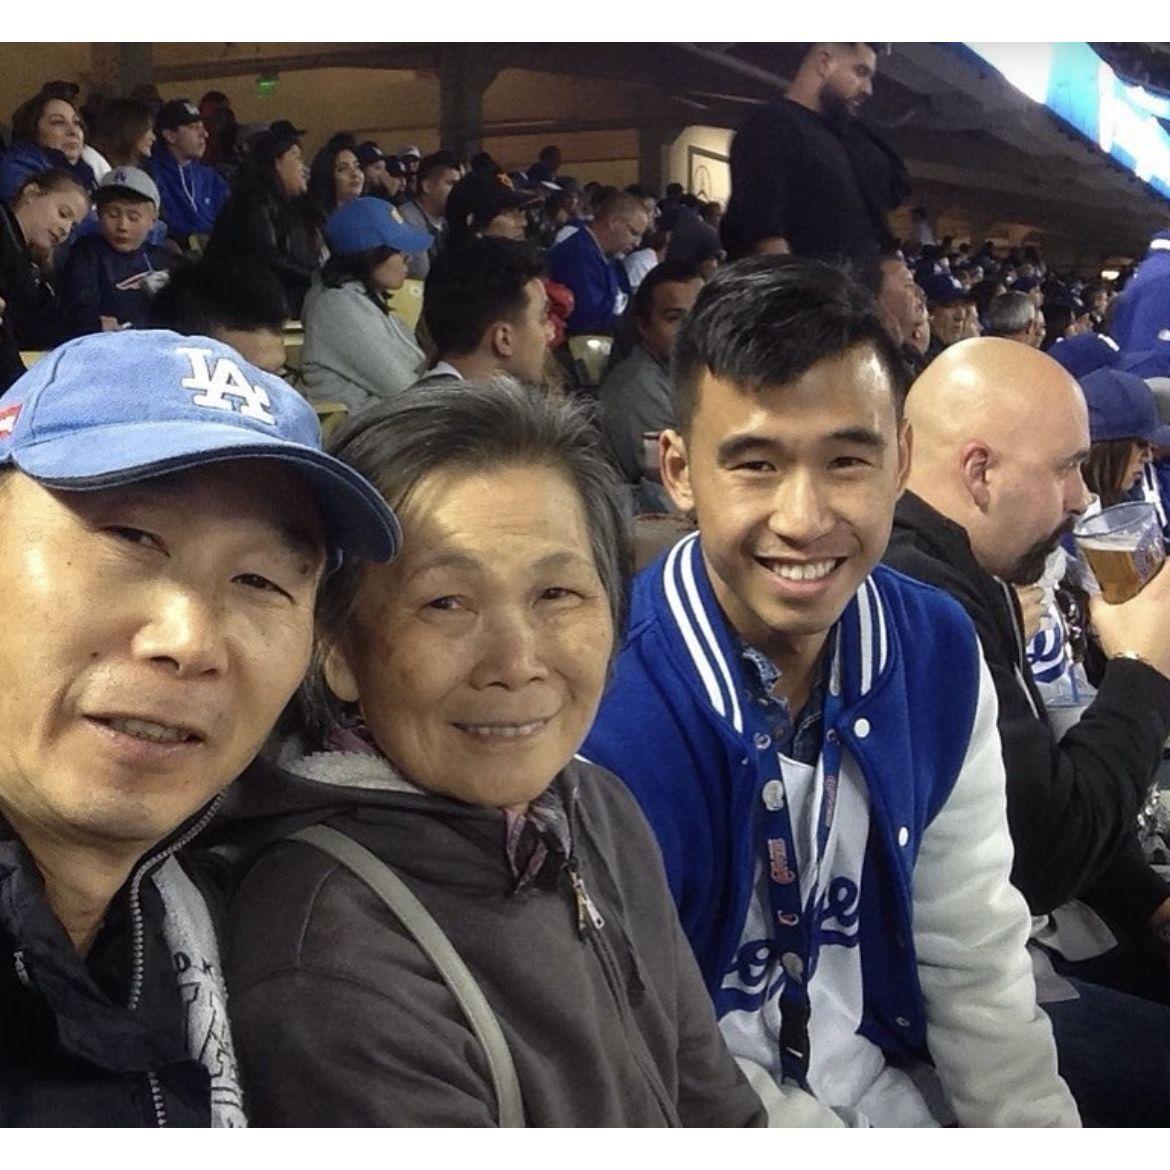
(798, 739)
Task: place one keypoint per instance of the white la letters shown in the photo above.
(225, 387)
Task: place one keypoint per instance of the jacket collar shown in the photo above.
(707, 646)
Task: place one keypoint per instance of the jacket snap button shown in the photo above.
(903, 835)
(861, 728)
(773, 795)
(902, 1022)
(762, 741)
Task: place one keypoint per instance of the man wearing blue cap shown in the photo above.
(168, 516)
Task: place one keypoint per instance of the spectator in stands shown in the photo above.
(1125, 428)
(1000, 435)
(544, 170)
(125, 132)
(240, 303)
(795, 187)
(219, 120)
(640, 262)
(410, 157)
(166, 577)
(712, 213)
(357, 351)
(192, 193)
(11, 366)
(920, 229)
(1014, 315)
(1062, 317)
(774, 679)
(901, 304)
(43, 212)
(565, 212)
(485, 203)
(110, 276)
(635, 397)
(1095, 296)
(47, 134)
(425, 210)
(384, 177)
(336, 176)
(448, 753)
(587, 263)
(267, 221)
(486, 311)
(694, 243)
(947, 306)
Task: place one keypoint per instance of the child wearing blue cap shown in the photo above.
(357, 350)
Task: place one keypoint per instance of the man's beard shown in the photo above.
(1027, 570)
(835, 108)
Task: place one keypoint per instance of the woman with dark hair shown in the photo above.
(1124, 428)
(267, 219)
(37, 219)
(357, 350)
(336, 176)
(453, 689)
(125, 132)
(47, 134)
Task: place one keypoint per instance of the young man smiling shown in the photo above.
(168, 517)
(830, 817)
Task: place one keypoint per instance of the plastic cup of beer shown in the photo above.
(1123, 548)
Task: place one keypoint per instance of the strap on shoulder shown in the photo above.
(430, 938)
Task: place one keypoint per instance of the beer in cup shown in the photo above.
(1123, 548)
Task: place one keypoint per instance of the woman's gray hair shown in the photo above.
(474, 426)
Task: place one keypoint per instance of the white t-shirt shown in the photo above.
(845, 1069)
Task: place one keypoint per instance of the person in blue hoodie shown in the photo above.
(192, 193)
(813, 736)
(47, 134)
(111, 275)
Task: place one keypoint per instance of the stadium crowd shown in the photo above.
(365, 783)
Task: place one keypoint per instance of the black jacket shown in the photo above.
(1072, 805)
(72, 1052)
(279, 234)
(31, 319)
(339, 1019)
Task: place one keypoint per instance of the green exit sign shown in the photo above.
(266, 84)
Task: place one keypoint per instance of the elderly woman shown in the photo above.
(458, 683)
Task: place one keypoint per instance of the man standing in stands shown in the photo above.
(1000, 434)
(168, 517)
(544, 170)
(796, 186)
(635, 398)
(830, 813)
(588, 263)
(192, 192)
(437, 174)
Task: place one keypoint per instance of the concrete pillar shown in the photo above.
(466, 71)
(653, 143)
(117, 69)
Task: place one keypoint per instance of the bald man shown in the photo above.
(1000, 432)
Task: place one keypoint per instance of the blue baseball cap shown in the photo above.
(111, 409)
(940, 289)
(1085, 353)
(1122, 406)
(371, 223)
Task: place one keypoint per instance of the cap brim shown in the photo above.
(1159, 436)
(409, 239)
(357, 519)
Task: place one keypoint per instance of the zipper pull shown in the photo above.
(586, 910)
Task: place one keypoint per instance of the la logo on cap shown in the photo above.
(224, 387)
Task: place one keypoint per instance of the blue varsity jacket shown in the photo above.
(678, 724)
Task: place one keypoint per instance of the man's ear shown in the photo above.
(675, 469)
(975, 460)
(503, 339)
(339, 676)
